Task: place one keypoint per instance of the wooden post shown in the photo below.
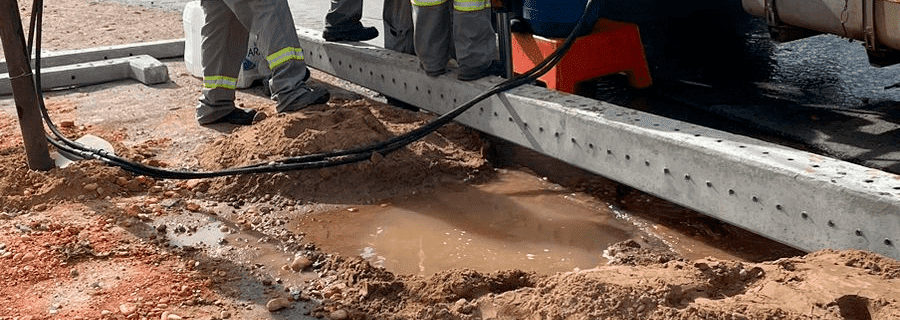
(24, 91)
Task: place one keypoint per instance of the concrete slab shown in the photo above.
(142, 68)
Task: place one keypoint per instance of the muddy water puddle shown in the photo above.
(516, 221)
(209, 235)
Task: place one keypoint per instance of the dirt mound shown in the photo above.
(822, 285)
(451, 152)
(872, 264)
(23, 189)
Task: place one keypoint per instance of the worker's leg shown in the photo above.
(432, 33)
(223, 45)
(272, 22)
(342, 22)
(398, 26)
(474, 38)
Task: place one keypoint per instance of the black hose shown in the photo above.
(35, 18)
(313, 161)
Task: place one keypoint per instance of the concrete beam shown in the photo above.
(142, 68)
(795, 197)
(158, 49)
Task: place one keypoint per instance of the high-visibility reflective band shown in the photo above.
(213, 82)
(284, 55)
(420, 3)
(471, 5)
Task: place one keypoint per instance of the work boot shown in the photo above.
(268, 91)
(241, 117)
(361, 34)
(495, 68)
(310, 97)
(434, 73)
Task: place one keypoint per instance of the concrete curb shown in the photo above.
(142, 68)
(158, 49)
(130, 61)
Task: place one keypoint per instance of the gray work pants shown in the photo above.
(223, 46)
(398, 26)
(440, 29)
(345, 15)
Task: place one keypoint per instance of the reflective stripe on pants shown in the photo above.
(471, 5)
(426, 3)
(284, 55)
(213, 82)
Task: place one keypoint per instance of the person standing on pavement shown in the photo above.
(342, 23)
(223, 45)
(443, 27)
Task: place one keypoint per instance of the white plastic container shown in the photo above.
(254, 66)
(192, 19)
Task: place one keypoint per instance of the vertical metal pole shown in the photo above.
(23, 87)
(505, 39)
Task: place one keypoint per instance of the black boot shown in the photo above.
(242, 117)
(362, 34)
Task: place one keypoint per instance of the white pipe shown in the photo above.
(840, 17)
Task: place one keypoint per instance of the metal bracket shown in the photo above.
(868, 25)
(772, 14)
(879, 55)
(781, 32)
(504, 37)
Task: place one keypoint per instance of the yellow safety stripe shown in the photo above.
(283, 56)
(213, 82)
(471, 5)
(421, 3)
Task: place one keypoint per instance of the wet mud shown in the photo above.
(514, 221)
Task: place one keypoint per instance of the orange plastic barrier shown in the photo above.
(612, 47)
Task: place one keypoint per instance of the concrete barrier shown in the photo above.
(142, 68)
(164, 49)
